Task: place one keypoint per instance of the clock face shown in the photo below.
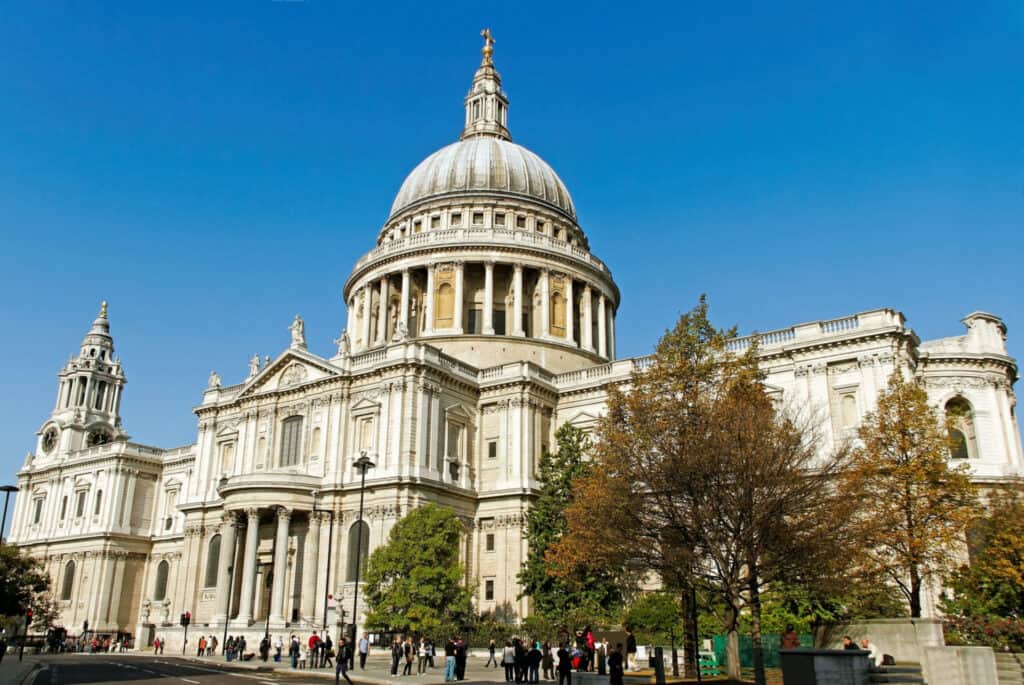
(97, 437)
(49, 439)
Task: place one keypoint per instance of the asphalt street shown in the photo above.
(68, 669)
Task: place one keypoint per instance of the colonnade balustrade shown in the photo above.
(483, 298)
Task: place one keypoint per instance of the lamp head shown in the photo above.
(8, 488)
(363, 462)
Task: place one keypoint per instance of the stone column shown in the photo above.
(382, 312)
(428, 302)
(488, 324)
(611, 335)
(252, 540)
(367, 301)
(227, 559)
(280, 561)
(545, 303)
(602, 321)
(517, 300)
(460, 269)
(350, 326)
(569, 310)
(403, 310)
(307, 602)
(587, 330)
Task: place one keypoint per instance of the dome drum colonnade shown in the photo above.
(483, 239)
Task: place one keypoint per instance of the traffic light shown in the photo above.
(28, 616)
(186, 618)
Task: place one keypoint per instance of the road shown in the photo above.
(71, 669)
(74, 669)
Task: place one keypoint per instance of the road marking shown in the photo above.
(194, 682)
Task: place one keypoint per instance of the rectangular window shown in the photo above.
(490, 542)
(489, 590)
(291, 441)
(63, 507)
(456, 219)
(492, 449)
(80, 504)
(454, 447)
(498, 319)
(99, 503)
(478, 218)
(37, 515)
(417, 226)
(475, 321)
(520, 222)
(499, 219)
(435, 222)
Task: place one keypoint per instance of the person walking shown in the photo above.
(364, 650)
(278, 646)
(564, 665)
(201, 646)
(422, 652)
(602, 656)
(431, 652)
(293, 650)
(548, 662)
(408, 654)
(212, 651)
(344, 654)
(396, 654)
(491, 647)
(449, 660)
(461, 652)
(328, 651)
(241, 648)
(520, 659)
(533, 659)
(508, 660)
(264, 649)
(615, 665)
(630, 662)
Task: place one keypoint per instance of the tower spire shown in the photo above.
(486, 103)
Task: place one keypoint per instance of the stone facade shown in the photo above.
(478, 324)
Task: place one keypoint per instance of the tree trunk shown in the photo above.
(755, 628)
(732, 645)
(915, 592)
(690, 658)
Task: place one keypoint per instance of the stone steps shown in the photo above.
(1010, 668)
(901, 672)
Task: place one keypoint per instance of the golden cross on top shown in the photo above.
(488, 48)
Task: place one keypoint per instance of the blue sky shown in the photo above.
(213, 168)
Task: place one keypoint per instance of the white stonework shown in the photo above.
(478, 324)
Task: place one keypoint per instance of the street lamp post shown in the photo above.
(7, 490)
(363, 463)
(330, 553)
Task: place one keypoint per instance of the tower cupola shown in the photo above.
(486, 102)
(87, 410)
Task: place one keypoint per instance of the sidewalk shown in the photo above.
(13, 672)
(377, 672)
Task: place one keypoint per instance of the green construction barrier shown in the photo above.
(769, 646)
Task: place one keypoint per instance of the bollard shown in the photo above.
(659, 666)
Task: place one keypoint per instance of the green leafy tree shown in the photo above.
(992, 586)
(414, 583)
(587, 594)
(23, 583)
(916, 508)
(655, 616)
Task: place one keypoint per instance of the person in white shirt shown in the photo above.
(870, 647)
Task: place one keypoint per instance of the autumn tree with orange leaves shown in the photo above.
(916, 506)
(703, 480)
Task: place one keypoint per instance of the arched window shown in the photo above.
(160, 591)
(212, 562)
(361, 542)
(291, 441)
(964, 444)
(69, 581)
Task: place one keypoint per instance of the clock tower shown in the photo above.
(88, 396)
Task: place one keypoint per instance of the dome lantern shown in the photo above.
(486, 103)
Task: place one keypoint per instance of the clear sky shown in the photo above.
(214, 168)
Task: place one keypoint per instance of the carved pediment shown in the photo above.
(291, 369)
(365, 405)
(583, 419)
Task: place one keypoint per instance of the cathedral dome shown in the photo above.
(486, 165)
